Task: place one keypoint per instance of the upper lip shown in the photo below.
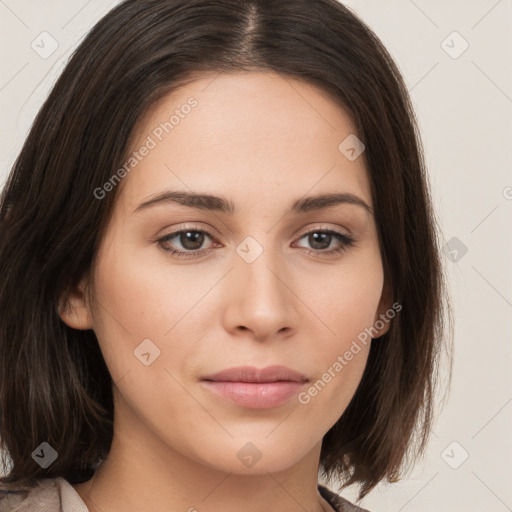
(252, 374)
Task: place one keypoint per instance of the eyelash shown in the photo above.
(345, 240)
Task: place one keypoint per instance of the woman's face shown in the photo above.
(261, 282)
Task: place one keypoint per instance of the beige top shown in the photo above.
(58, 495)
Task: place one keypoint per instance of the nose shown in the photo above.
(260, 299)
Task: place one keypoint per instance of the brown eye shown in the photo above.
(189, 242)
(320, 241)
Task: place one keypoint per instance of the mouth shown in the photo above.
(252, 388)
(251, 374)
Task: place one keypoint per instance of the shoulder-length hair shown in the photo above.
(55, 385)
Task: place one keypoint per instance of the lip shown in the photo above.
(252, 374)
(255, 388)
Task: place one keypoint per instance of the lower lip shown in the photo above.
(255, 395)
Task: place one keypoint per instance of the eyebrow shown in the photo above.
(220, 204)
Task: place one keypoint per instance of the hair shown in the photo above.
(55, 385)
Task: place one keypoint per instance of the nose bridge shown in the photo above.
(260, 269)
(262, 301)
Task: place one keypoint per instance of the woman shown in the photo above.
(221, 270)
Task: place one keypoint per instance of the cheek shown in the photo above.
(339, 361)
(346, 303)
(346, 299)
(135, 301)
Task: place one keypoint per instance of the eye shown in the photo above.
(193, 239)
(321, 239)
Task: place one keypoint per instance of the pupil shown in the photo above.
(192, 240)
(325, 237)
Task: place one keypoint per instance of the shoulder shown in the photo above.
(337, 502)
(57, 495)
(46, 495)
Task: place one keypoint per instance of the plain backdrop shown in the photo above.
(455, 56)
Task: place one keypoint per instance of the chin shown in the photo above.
(257, 457)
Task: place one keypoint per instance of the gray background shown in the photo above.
(463, 99)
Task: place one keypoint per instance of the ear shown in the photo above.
(74, 309)
(385, 304)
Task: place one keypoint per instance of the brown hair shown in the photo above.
(55, 386)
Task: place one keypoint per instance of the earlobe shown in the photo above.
(74, 309)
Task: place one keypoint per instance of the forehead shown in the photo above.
(256, 131)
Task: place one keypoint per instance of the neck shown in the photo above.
(142, 472)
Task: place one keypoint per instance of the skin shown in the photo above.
(261, 141)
